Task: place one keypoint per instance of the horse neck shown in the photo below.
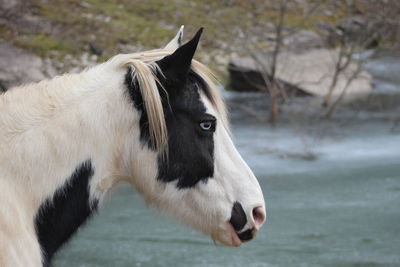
(54, 126)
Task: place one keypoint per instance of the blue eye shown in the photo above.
(207, 125)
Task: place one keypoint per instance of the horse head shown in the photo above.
(191, 167)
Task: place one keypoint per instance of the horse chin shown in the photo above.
(227, 236)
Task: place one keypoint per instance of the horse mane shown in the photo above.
(145, 72)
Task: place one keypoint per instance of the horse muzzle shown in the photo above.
(244, 228)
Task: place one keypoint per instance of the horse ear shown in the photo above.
(176, 41)
(176, 66)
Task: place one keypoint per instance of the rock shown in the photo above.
(354, 27)
(94, 49)
(310, 72)
(18, 66)
(3, 87)
(20, 15)
(357, 30)
(8, 4)
(244, 78)
(302, 40)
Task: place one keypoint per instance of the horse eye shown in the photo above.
(207, 126)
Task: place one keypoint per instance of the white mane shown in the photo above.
(145, 72)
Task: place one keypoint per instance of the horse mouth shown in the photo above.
(239, 237)
(247, 235)
(235, 240)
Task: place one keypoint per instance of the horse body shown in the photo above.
(65, 142)
(53, 127)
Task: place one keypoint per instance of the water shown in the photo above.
(332, 192)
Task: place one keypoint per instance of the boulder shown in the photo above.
(245, 77)
(356, 30)
(303, 39)
(18, 66)
(310, 72)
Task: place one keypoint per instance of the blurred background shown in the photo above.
(313, 89)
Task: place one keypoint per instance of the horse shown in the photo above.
(154, 119)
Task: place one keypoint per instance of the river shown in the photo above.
(332, 191)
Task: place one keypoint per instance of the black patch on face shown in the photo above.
(190, 149)
(59, 218)
(190, 156)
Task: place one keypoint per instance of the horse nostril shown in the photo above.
(258, 216)
(238, 217)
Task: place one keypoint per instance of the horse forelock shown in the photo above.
(145, 71)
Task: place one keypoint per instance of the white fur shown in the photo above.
(49, 128)
(46, 130)
(176, 41)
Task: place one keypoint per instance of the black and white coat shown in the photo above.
(65, 142)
